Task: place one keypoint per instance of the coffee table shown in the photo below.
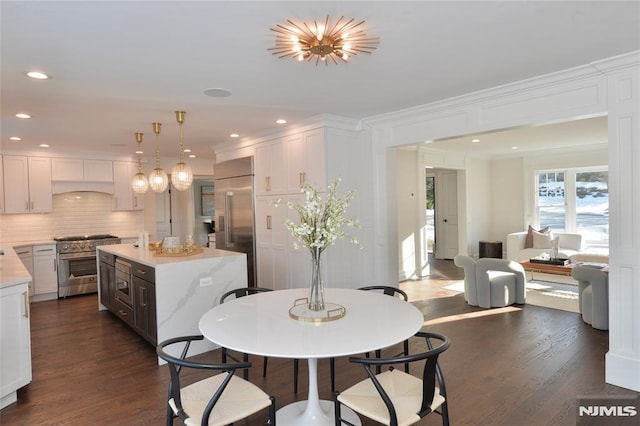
(547, 268)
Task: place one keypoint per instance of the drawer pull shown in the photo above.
(123, 313)
(25, 295)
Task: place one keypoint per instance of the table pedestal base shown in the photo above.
(299, 414)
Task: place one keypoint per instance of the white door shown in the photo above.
(446, 216)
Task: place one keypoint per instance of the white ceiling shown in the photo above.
(119, 66)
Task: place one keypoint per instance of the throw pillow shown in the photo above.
(541, 240)
(528, 242)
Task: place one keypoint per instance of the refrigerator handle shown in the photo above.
(228, 197)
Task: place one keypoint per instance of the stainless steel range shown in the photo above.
(77, 266)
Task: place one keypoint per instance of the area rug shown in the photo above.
(541, 293)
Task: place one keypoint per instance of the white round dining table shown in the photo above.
(260, 324)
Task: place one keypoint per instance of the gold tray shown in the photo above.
(300, 311)
(180, 253)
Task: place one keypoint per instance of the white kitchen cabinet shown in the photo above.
(97, 170)
(271, 240)
(270, 168)
(30, 188)
(15, 345)
(45, 275)
(123, 196)
(78, 170)
(25, 253)
(305, 154)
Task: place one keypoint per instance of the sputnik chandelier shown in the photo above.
(322, 40)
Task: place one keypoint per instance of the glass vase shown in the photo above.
(316, 289)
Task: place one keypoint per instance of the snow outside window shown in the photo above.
(575, 200)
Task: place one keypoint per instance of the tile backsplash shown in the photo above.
(74, 213)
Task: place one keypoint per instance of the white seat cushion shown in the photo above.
(239, 400)
(404, 390)
(503, 288)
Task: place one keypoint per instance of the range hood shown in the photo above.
(63, 187)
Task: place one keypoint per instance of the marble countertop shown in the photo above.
(146, 256)
(12, 270)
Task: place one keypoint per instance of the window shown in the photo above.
(575, 200)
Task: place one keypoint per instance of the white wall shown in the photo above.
(480, 194)
(507, 215)
(410, 243)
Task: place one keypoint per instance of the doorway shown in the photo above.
(430, 234)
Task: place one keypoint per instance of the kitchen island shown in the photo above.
(15, 331)
(163, 297)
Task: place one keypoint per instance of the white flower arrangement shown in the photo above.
(322, 223)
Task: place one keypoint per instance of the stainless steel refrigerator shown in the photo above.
(234, 210)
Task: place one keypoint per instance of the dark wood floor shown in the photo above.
(512, 366)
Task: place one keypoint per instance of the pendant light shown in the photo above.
(158, 180)
(139, 184)
(181, 174)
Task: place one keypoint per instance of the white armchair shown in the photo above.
(593, 295)
(492, 283)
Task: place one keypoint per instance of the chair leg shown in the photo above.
(245, 372)
(378, 355)
(224, 355)
(336, 409)
(406, 352)
(295, 375)
(272, 411)
(170, 415)
(264, 366)
(444, 411)
(332, 367)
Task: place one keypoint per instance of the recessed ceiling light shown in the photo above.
(139, 152)
(186, 150)
(192, 156)
(15, 138)
(23, 115)
(37, 75)
(217, 92)
(475, 140)
(44, 145)
(234, 135)
(514, 147)
(281, 121)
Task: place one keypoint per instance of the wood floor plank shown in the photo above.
(523, 365)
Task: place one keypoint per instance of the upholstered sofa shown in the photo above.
(569, 246)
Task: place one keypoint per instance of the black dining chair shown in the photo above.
(394, 397)
(220, 399)
(395, 292)
(245, 291)
(237, 293)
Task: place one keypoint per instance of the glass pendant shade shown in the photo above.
(181, 176)
(158, 180)
(140, 184)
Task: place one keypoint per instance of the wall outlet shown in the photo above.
(204, 282)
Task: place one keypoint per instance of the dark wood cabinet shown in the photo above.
(107, 278)
(144, 301)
